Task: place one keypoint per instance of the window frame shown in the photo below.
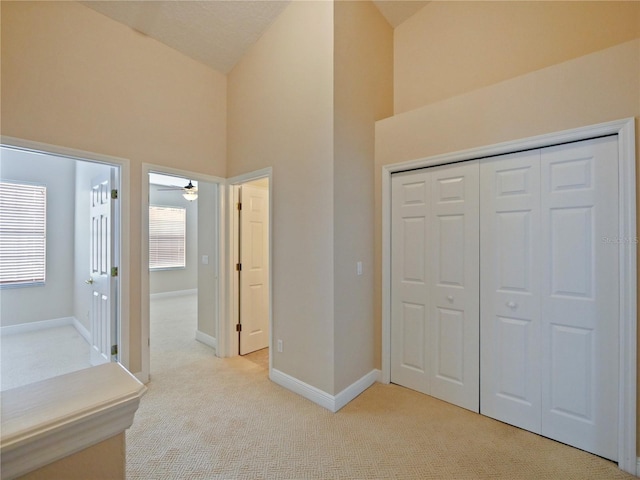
(184, 238)
(40, 280)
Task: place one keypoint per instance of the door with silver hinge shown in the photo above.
(103, 274)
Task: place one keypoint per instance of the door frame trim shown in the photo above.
(145, 320)
(625, 130)
(227, 338)
(122, 209)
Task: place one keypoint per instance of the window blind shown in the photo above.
(167, 227)
(23, 222)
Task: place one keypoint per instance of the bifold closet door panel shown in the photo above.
(511, 259)
(410, 302)
(549, 292)
(434, 282)
(580, 295)
(454, 273)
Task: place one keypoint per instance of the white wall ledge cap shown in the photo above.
(45, 421)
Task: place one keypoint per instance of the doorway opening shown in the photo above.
(181, 266)
(62, 286)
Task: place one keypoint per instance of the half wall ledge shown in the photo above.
(49, 420)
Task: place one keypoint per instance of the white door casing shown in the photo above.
(254, 273)
(435, 275)
(101, 281)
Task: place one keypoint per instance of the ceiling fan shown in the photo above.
(189, 192)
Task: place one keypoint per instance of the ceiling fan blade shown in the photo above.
(188, 188)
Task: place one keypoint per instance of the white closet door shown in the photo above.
(454, 277)
(434, 282)
(580, 295)
(410, 332)
(510, 289)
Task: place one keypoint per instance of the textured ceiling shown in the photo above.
(217, 32)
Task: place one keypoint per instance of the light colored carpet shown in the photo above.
(33, 356)
(210, 418)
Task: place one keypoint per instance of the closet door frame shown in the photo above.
(626, 238)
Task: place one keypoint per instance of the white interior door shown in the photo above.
(549, 293)
(454, 272)
(254, 273)
(434, 321)
(580, 300)
(410, 293)
(510, 259)
(101, 281)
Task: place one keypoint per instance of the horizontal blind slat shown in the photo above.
(167, 231)
(22, 233)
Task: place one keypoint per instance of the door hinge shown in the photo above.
(238, 327)
(239, 205)
(114, 271)
(238, 267)
(114, 350)
(114, 194)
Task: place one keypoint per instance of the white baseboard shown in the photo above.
(82, 330)
(206, 339)
(33, 326)
(332, 403)
(45, 324)
(177, 293)
(355, 389)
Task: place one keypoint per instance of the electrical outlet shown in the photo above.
(280, 346)
(359, 268)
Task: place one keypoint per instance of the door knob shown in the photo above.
(89, 282)
(450, 298)
(512, 305)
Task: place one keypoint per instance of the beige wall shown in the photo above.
(363, 93)
(304, 100)
(591, 89)
(73, 77)
(280, 104)
(449, 48)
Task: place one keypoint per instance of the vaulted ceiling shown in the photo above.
(217, 32)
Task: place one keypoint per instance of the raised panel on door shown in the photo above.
(254, 276)
(580, 295)
(102, 315)
(453, 282)
(411, 194)
(510, 260)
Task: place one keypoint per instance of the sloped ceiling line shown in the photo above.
(217, 32)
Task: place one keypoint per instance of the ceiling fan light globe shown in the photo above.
(190, 195)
